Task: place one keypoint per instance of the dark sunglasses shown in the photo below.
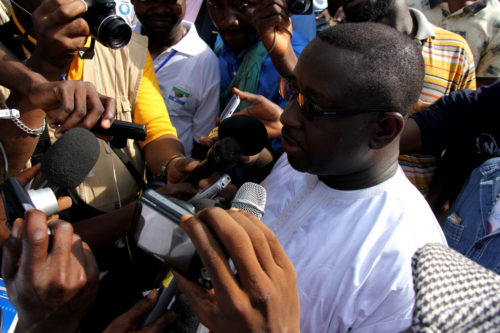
(311, 109)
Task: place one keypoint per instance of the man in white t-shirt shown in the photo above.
(186, 68)
(337, 200)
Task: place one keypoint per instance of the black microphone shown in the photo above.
(69, 160)
(248, 131)
(124, 129)
(223, 155)
(64, 166)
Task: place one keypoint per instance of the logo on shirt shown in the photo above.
(124, 9)
(486, 145)
(179, 96)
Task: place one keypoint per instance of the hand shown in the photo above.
(324, 15)
(270, 15)
(50, 288)
(179, 168)
(182, 191)
(72, 104)
(264, 297)
(128, 321)
(59, 34)
(264, 110)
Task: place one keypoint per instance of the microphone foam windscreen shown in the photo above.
(251, 198)
(248, 131)
(226, 153)
(69, 160)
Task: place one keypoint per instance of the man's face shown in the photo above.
(328, 145)
(233, 20)
(365, 10)
(159, 16)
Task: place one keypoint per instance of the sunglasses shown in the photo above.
(311, 109)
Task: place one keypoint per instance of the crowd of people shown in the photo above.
(381, 139)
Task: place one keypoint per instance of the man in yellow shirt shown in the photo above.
(52, 34)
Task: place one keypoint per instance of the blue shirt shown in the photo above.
(269, 76)
(467, 124)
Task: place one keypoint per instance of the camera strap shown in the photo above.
(130, 167)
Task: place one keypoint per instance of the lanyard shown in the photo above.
(165, 61)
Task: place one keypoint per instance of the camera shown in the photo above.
(159, 234)
(105, 26)
(17, 200)
(300, 7)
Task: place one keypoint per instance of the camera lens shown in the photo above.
(114, 32)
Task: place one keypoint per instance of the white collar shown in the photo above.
(191, 44)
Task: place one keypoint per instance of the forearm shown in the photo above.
(18, 145)
(411, 138)
(158, 152)
(286, 62)
(105, 229)
(15, 75)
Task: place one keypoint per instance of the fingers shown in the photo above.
(201, 300)
(11, 251)
(211, 253)
(246, 96)
(129, 320)
(108, 117)
(161, 324)
(35, 243)
(250, 223)
(62, 244)
(28, 174)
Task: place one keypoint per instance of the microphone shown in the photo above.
(248, 131)
(124, 129)
(251, 198)
(69, 160)
(223, 155)
(60, 171)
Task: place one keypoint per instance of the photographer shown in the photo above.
(126, 74)
(71, 103)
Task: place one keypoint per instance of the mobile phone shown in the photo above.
(159, 234)
(230, 107)
(211, 191)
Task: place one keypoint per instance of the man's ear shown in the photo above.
(389, 126)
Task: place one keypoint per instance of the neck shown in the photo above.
(371, 176)
(454, 5)
(400, 19)
(160, 42)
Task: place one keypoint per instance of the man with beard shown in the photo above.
(449, 62)
(186, 68)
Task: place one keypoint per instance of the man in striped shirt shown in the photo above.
(449, 63)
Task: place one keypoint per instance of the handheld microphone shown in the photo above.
(251, 197)
(248, 131)
(69, 160)
(59, 171)
(223, 155)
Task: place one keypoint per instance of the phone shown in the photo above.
(211, 191)
(230, 107)
(159, 234)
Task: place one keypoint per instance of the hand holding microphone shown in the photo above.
(264, 273)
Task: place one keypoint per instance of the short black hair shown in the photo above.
(390, 68)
